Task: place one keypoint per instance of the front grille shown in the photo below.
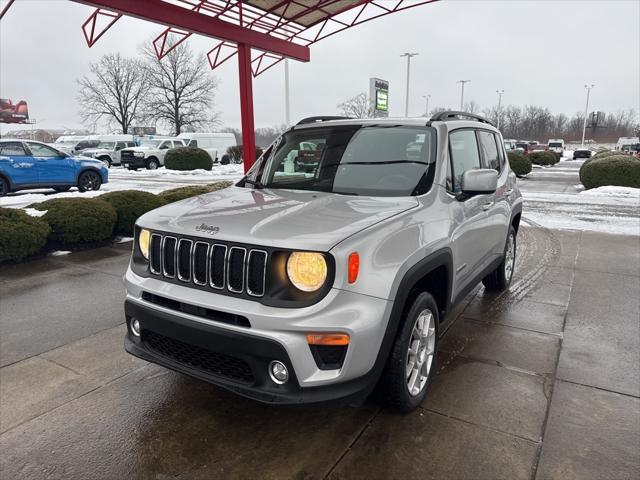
(214, 363)
(232, 268)
(125, 154)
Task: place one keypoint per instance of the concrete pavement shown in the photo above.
(540, 382)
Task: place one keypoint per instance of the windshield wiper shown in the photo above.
(255, 183)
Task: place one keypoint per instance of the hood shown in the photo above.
(88, 161)
(92, 151)
(275, 218)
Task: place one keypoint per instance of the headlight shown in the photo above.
(307, 270)
(138, 154)
(144, 238)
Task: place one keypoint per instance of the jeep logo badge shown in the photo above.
(203, 227)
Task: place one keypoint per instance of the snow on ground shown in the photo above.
(154, 181)
(554, 199)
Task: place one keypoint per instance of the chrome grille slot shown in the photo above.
(169, 257)
(217, 261)
(217, 266)
(184, 260)
(235, 269)
(200, 259)
(256, 272)
(155, 257)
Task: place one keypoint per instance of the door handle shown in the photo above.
(487, 206)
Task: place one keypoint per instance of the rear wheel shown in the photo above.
(106, 161)
(412, 361)
(500, 278)
(89, 181)
(152, 164)
(4, 187)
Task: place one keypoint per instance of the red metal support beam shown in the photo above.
(246, 105)
(164, 13)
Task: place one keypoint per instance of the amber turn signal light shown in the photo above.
(328, 339)
(353, 267)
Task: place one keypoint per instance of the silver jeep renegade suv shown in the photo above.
(330, 268)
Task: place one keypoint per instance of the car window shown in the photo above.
(489, 150)
(193, 143)
(120, 145)
(39, 150)
(464, 154)
(13, 149)
(131, 144)
(177, 143)
(357, 160)
(500, 152)
(165, 145)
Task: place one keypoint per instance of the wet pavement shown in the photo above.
(539, 382)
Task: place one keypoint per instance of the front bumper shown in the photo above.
(274, 334)
(133, 162)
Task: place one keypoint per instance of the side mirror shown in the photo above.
(479, 181)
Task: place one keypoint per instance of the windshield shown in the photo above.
(352, 160)
(149, 143)
(107, 145)
(555, 145)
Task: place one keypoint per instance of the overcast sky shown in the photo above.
(539, 52)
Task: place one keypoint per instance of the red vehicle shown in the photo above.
(13, 113)
(539, 147)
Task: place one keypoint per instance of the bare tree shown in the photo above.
(357, 107)
(114, 92)
(471, 107)
(182, 89)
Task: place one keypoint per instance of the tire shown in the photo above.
(398, 390)
(89, 181)
(152, 164)
(500, 279)
(4, 187)
(106, 161)
(224, 160)
(62, 189)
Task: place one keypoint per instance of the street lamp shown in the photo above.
(406, 102)
(426, 109)
(586, 109)
(462, 82)
(500, 93)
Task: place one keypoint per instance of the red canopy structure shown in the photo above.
(260, 32)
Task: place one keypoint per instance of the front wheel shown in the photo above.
(412, 361)
(500, 278)
(89, 181)
(152, 164)
(106, 161)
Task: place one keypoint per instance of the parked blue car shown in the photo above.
(27, 165)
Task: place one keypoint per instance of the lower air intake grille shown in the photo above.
(214, 363)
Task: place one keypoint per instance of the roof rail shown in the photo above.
(325, 118)
(453, 115)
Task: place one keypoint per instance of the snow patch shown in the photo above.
(125, 239)
(611, 191)
(58, 253)
(35, 213)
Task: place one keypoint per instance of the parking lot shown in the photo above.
(540, 382)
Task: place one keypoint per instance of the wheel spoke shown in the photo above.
(413, 379)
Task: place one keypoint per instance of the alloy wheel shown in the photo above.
(509, 258)
(90, 181)
(420, 352)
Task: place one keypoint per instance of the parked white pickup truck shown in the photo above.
(150, 153)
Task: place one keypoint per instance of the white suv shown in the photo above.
(319, 282)
(150, 153)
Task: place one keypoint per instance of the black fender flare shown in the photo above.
(440, 258)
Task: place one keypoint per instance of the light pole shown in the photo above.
(406, 101)
(500, 93)
(426, 109)
(462, 82)
(287, 105)
(586, 109)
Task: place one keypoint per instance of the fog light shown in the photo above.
(278, 372)
(135, 327)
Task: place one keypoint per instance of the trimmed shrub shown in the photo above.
(235, 153)
(543, 158)
(78, 220)
(603, 154)
(615, 170)
(180, 193)
(519, 163)
(188, 158)
(21, 234)
(129, 205)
